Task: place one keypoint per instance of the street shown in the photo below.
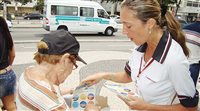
(102, 53)
(26, 40)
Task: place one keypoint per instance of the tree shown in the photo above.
(114, 1)
(163, 2)
(23, 2)
(160, 1)
(39, 6)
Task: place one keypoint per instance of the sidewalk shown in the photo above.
(114, 103)
(27, 23)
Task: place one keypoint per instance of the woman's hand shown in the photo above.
(134, 102)
(93, 79)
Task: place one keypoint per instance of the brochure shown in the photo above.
(82, 96)
(120, 90)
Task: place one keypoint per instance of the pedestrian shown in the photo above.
(158, 64)
(39, 84)
(192, 32)
(7, 75)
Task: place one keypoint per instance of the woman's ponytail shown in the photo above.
(173, 26)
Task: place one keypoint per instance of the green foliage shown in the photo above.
(39, 6)
(23, 1)
(6, 1)
(166, 2)
(113, 1)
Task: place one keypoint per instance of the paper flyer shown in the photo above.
(119, 89)
(82, 96)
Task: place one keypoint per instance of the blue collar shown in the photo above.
(162, 48)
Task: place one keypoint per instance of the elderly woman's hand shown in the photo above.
(91, 107)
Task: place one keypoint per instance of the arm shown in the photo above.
(185, 90)
(138, 104)
(11, 55)
(121, 77)
(176, 107)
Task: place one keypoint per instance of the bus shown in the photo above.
(77, 16)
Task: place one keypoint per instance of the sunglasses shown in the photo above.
(73, 60)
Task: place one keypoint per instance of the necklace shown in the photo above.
(145, 66)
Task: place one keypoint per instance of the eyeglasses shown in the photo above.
(73, 60)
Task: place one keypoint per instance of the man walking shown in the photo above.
(192, 32)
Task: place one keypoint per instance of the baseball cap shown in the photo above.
(60, 42)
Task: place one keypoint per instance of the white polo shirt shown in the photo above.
(164, 75)
(193, 43)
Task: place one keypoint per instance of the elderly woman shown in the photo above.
(39, 85)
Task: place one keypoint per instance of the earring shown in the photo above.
(149, 31)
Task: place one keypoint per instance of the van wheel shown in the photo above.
(62, 28)
(109, 31)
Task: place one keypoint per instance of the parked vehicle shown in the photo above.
(182, 22)
(33, 16)
(117, 19)
(9, 23)
(77, 16)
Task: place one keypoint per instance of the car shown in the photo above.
(181, 21)
(9, 23)
(33, 16)
(116, 18)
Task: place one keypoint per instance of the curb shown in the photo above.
(27, 26)
(80, 40)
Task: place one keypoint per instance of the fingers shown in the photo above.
(91, 107)
(88, 82)
(133, 96)
(125, 99)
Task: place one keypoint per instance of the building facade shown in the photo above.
(19, 9)
(189, 9)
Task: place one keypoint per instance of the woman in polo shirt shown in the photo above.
(158, 65)
(7, 75)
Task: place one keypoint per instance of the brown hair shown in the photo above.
(146, 9)
(52, 59)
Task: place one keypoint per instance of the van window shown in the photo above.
(64, 10)
(101, 13)
(86, 12)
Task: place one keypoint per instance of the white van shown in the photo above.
(77, 16)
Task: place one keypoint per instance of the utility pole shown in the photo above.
(5, 10)
(113, 8)
(5, 2)
(16, 7)
(177, 7)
